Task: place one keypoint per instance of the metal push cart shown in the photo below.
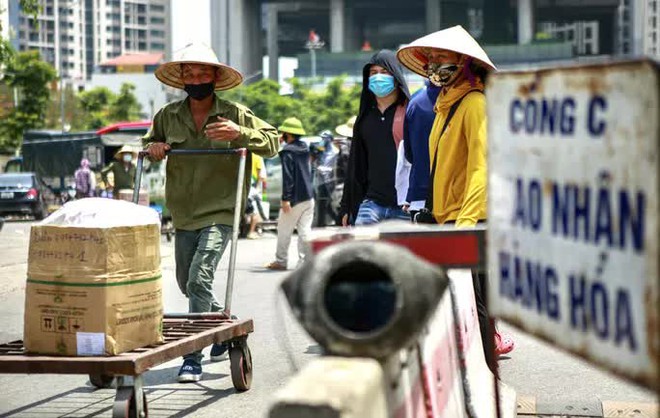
(183, 334)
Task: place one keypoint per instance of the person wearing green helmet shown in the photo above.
(297, 208)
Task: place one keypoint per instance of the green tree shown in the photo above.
(331, 107)
(30, 76)
(125, 106)
(318, 110)
(94, 104)
(71, 110)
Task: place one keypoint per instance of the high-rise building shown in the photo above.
(131, 26)
(651, 40)
(639, 27)
(76, 35)
(58, 34)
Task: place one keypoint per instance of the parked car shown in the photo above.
(23, 193)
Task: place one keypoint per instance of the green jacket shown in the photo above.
(123, 179)
(200, 190)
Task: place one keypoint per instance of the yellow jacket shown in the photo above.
(459, 183)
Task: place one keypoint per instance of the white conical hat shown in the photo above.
(456, 39)
(347, 128)
(198, 53)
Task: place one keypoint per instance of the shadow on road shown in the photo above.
(168, 399)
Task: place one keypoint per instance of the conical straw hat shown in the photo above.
(347, 128)
(457, 39)
(126, 149)
(197, 53)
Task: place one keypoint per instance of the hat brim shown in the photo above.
(292, 131)
(455, 39)
(344, 130)
(119, 153)
(414, 59)
(170, 74)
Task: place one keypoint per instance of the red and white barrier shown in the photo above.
(445, 374)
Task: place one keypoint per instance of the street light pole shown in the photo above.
(62, 99)
(312, 52)
(314, 42)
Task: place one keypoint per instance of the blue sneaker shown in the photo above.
(219, 352)
(190, 371)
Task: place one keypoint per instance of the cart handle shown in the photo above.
(242, 153)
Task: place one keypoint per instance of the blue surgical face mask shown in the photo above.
(381, 84)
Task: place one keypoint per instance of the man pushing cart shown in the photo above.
(201, 190)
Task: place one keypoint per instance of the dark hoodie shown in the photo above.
(356, 187)
(296, 173)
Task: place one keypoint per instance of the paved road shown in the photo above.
(537, 371)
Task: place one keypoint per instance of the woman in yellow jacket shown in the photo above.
(454, 61)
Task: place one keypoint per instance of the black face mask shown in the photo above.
(199, 91)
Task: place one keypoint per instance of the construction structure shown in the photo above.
(243, 31)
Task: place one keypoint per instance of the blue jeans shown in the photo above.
(371, 212)
(197, 254)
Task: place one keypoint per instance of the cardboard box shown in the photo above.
(93, 291)
(127, 195)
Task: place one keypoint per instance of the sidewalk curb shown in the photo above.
(528, 406)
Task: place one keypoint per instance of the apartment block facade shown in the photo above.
(76, 35)
(639, 27)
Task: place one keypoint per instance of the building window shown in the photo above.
(157, 20)
(157, 8)
(157, 46)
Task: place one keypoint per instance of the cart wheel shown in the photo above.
(241, 366)
(101, 381)
(125, 405)
(168, 236)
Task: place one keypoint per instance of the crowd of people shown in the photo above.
(419, 158)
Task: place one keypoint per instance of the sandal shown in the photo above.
(275, 266)
(503, 344)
